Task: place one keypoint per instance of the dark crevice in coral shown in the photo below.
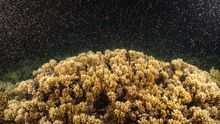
(101, 103)
(87, 66)
(122, 97)
(101, 112)
(128, 57)
(134, 108)
(128, 120)
(134, 69)
(78, 72)
(109, 67)
(170, 69)
(35, 85)
(66, 118)
(165, 86)
(166, 121)
(119, 81)
(81, 99)
(72, 94)
(29, 96)
(6, 122)
(45, 97)
(183, 78)
(60, 86)
(57, 103)
(191, 104)
(75, 81)
(159, 81)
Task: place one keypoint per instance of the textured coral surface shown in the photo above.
(116, 87)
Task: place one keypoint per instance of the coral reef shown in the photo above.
(215, 75)
(3, 104)
(6, 87)
(6, 91)
(116, 87)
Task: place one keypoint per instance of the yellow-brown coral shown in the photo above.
(3, 104)
(215, 75)
(116, 87)
(6, 90)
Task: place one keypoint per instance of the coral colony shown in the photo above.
(115, 87)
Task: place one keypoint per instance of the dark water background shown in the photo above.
(32, 32)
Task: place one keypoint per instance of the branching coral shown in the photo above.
(3, 103)
(6, 91)
(6, 87)
(215, 75)
(116, 87)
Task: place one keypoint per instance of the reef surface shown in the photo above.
(117, 86)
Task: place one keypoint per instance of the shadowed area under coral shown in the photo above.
(117, 86)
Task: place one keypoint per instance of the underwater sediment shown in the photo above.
(114, 87)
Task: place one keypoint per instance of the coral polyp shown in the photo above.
(116, 87)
